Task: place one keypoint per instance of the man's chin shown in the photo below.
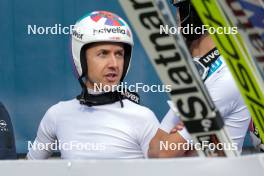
(110, 86)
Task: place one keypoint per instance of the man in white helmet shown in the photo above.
(97, 124)
(217, 79)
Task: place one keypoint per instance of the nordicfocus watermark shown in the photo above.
(204, 145)
(56, 29)
(73, 145)
(132, 87)
(190, 29)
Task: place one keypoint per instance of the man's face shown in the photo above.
(105, 62)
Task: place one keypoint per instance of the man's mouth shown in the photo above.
(111, 77)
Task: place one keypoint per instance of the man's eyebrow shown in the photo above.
(102, 49)
(120, 50)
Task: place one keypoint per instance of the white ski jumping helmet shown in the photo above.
(100, 26)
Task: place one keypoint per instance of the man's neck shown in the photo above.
(202, 46)
(93, 92)
(91, 89)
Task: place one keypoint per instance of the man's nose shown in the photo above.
(112, 61)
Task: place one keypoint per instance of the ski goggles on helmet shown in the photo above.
(186, 16)
(183, 7)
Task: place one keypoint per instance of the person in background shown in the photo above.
(218, 81)
(7, 140)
